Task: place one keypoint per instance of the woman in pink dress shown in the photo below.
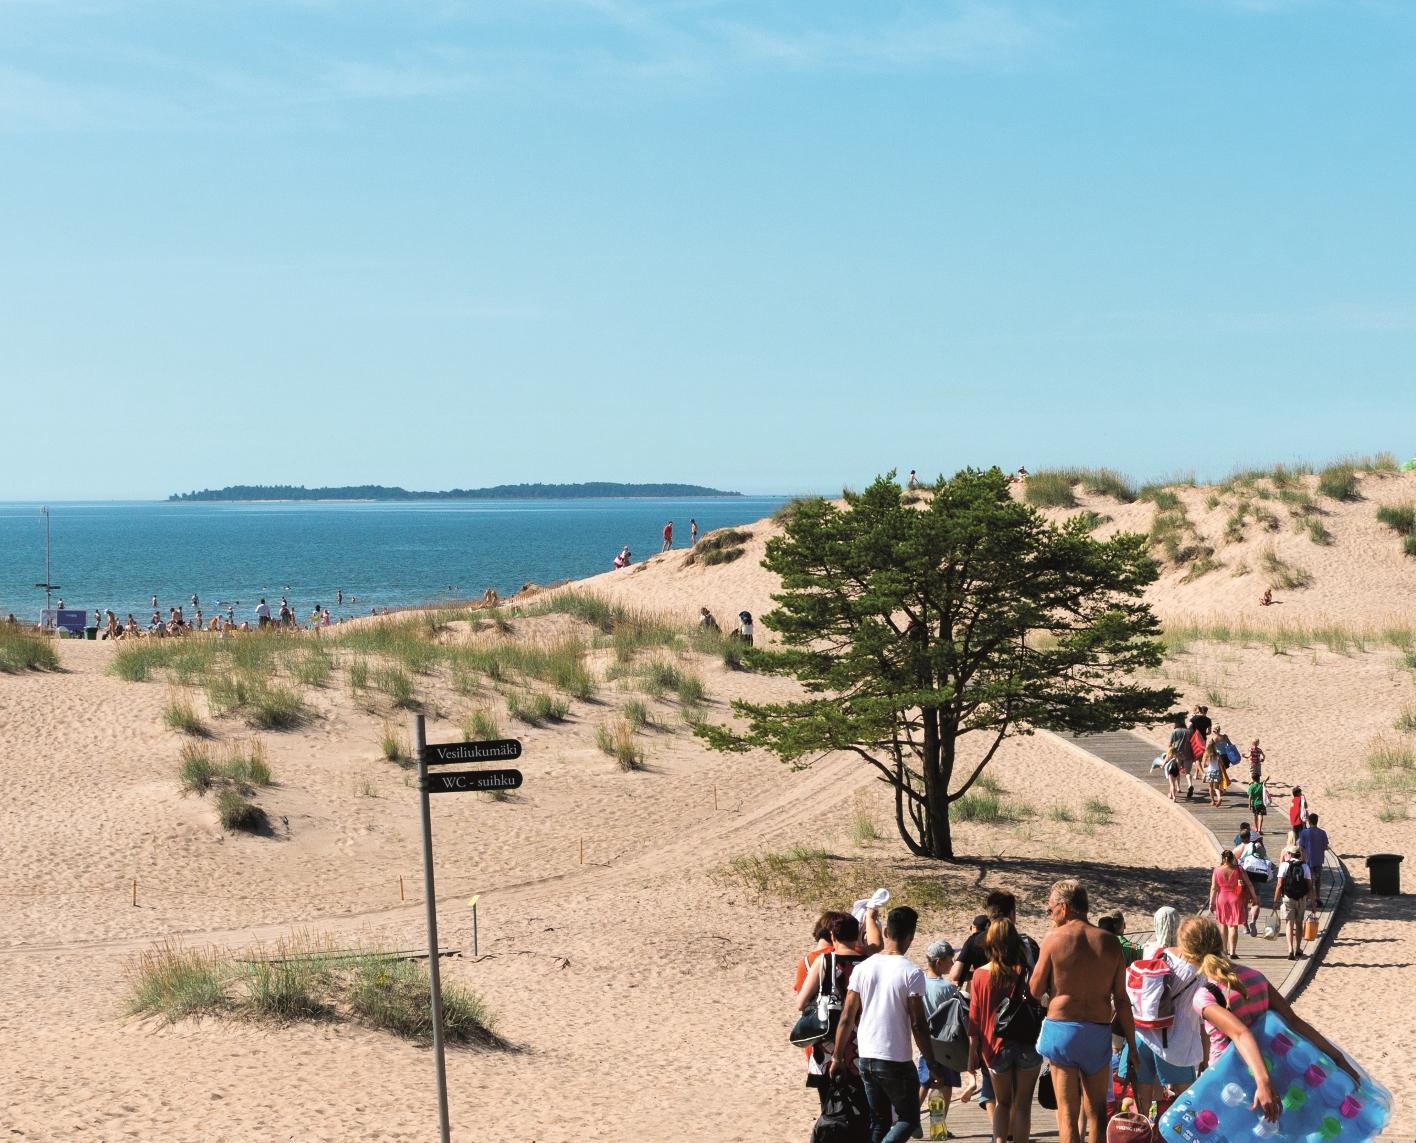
(1231, 894)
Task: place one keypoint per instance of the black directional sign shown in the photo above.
(465, 781)
(493, 750)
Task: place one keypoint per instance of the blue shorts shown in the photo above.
(1074, 1044)
(1151, 1067)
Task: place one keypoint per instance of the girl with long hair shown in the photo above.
(1234, 997)
(1012, 1066)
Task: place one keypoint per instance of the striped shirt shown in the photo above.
(1249, 1007)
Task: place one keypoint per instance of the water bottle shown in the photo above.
(1154, 1113)
(937, 1128)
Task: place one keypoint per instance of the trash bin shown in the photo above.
(1385, 872)
(90, 632)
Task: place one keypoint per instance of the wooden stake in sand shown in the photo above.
(582, 851)
(715, 797)
(401, 895)
(135, 892)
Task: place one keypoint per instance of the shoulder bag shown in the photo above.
(816, 1023)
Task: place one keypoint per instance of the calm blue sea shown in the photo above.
(119, 554)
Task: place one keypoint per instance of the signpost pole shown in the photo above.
(430, 897)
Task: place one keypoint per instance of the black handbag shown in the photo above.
(818, 1022)
(1019, 1016)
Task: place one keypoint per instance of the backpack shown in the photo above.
(949, 1032)
(1150, 987)
(1295, 881)
(845, 1117)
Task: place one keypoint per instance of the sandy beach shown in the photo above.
(645, 990)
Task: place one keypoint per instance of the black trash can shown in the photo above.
(1384, 870)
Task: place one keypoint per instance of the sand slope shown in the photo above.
(646, 992)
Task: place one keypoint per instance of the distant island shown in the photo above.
(592, 490)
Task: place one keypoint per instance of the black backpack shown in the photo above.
(1295, 881)
(846, 1118)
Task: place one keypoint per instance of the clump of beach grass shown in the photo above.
(358, 677)
(636, 713)
(182, 716)
(618, 740)
(1050, 488)
(22, 650)
(394, 746)
(718, 547)
(303, 979)
(1400, 518)
(1281, 574)
(235, 811)
(171, 982)
(481, 725)
(1338, 482)
(1097, 811)
(863, 828)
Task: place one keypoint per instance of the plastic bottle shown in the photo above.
(1154, 1113)
(937, 1128)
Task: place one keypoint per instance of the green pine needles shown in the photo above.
(917, 628)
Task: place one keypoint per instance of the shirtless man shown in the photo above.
(1082, 973)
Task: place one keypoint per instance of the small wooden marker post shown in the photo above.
(135, 892)
(715, 797)
(401, 896)
(473, 904)
(582, 851)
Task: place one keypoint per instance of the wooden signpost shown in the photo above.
(451, 782)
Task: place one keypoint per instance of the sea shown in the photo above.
(119, 554)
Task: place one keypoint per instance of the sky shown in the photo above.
(775, 247)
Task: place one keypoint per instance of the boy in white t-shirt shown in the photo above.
(886, 998)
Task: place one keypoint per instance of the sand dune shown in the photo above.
(645, 990)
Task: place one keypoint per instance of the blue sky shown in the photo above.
(775, 247)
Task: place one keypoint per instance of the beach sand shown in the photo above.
(646, 990)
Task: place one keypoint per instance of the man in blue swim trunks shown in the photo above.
(1082, 972)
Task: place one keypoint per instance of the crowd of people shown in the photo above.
(624, 558)
(1200, 752)
(1058, 1008)
(179, 621)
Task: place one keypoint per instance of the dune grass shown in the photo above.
(718, 547)
(481, 725)
(636, 713)
(236, 811)
(1280, 574)
(23, 650)
(171, 982)
(1400, 518)
(1091, 520)
(1338, 482)
(182, 716)
(304, 980)
(1097, 811)
(394, 746)
(395, 682)
(1289, 637)
(1050, 488)
(239, 765)
(618, 740)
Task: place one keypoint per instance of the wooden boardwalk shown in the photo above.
(1217, 825)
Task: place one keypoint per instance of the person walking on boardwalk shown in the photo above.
(1010, 1056)
(1180, 744)
(1231, 893)
(1233, 998)
(1292, 892)
(1314, 844)
(1080, 969)
(884, 1008)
